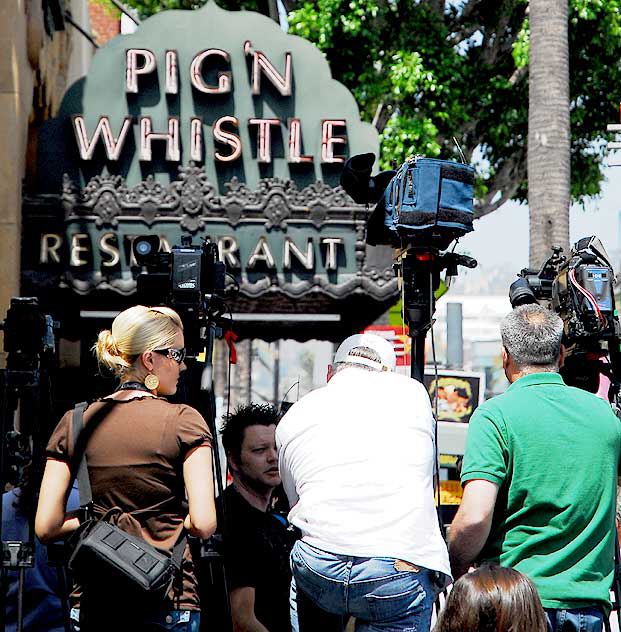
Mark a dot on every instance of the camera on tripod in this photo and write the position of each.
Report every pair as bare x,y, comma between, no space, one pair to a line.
189,278
28,333
188,275
425,203
419,209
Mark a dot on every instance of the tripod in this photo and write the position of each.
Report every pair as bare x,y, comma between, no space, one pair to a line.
421,271
422,267
200,394
26,396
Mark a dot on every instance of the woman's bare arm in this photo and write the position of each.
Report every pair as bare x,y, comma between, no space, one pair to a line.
198,478
52,521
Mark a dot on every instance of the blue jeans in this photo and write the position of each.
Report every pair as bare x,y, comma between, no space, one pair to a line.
175,620
575,620
383,598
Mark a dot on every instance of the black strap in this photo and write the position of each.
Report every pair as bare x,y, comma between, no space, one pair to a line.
134,386
178,549
84,484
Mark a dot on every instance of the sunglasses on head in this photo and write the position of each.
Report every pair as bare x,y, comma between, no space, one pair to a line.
178,355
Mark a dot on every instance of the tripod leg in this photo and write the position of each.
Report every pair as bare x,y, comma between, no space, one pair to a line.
64,597
20,599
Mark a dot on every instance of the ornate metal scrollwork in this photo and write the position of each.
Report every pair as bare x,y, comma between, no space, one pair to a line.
194,201
193,198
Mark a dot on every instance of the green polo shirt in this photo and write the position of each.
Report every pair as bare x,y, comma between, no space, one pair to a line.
553,450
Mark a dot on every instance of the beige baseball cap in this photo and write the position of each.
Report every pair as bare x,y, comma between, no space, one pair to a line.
377,343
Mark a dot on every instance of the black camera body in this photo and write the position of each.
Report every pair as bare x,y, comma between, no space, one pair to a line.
186,275
581,291
189,278
28,333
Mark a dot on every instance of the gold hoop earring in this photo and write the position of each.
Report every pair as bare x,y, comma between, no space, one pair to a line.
151,381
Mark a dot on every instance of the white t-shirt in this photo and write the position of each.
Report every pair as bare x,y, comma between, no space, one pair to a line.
356,460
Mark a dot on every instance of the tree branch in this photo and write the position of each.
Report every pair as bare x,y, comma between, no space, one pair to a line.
437,6
382,115
464,33
487,208
490,52
506,182
518,75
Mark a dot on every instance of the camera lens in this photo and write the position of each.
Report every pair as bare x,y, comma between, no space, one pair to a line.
520,293
143,247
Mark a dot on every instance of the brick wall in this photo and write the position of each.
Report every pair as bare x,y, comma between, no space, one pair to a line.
105,21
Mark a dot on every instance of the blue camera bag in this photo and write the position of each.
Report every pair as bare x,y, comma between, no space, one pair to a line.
429,198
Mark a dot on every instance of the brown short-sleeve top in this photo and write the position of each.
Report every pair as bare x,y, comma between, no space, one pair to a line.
135,460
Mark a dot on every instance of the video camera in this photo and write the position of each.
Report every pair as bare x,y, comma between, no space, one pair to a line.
425,203
189,278
28,334
581,290
29,342
420,209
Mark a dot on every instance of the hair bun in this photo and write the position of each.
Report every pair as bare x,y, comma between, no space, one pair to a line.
109,342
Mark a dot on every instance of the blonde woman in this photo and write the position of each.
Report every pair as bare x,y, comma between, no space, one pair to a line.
145,456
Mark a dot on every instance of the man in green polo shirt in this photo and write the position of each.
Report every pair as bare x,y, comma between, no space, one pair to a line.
539,475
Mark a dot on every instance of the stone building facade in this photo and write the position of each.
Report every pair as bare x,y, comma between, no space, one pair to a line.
41,55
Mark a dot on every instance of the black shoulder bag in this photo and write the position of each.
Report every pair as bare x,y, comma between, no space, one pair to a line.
105,555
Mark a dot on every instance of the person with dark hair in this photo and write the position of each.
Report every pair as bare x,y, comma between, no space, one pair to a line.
492,599
45,605
357,459
539,476
149,460
257,541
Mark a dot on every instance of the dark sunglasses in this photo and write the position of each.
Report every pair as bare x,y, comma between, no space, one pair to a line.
178,355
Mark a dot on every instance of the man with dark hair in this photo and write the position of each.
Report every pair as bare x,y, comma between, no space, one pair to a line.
357,459
539,479
257,542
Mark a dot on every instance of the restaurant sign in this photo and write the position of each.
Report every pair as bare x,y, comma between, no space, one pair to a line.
219,125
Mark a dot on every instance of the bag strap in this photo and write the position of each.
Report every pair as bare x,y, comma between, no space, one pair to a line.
178,549
84,484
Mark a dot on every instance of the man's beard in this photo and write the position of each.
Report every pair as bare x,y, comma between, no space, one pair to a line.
256,485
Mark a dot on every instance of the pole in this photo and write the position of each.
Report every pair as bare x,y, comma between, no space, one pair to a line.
249,374
417,360
454,336
276,396
419,305
129,14
272,8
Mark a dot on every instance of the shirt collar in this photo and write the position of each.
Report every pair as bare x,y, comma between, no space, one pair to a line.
537,378
352,373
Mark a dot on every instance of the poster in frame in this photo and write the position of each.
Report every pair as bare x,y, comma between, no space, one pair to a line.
458,393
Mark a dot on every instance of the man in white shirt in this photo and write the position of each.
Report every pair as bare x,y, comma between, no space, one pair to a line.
356,459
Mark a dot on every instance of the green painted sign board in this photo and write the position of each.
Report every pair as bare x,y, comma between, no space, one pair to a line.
219,125
257,51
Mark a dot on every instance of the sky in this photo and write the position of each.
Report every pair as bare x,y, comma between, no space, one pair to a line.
500,239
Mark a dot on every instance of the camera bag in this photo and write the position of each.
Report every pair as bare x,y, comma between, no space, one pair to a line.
429,200
105,555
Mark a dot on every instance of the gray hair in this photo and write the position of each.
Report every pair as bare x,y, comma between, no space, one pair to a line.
360,352
532,336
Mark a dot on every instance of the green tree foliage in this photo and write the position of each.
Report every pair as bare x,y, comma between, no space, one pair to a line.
425,71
